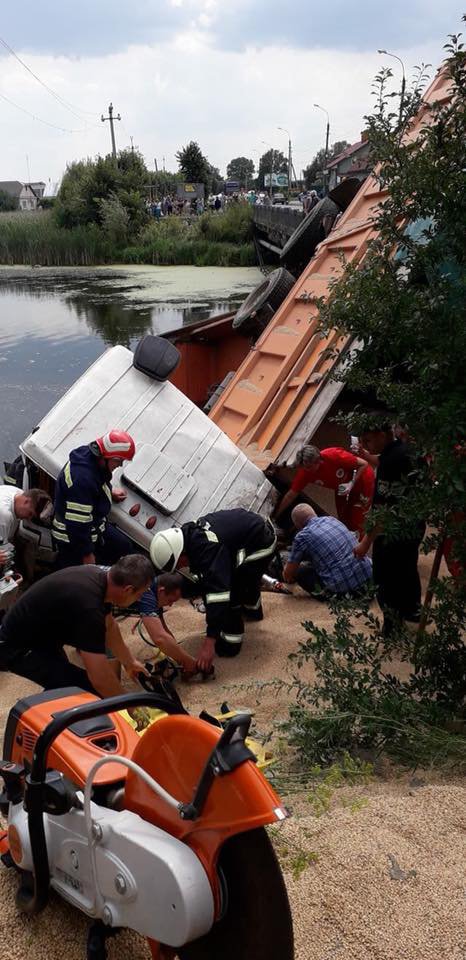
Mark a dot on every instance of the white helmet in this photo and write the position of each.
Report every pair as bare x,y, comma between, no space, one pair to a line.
166,549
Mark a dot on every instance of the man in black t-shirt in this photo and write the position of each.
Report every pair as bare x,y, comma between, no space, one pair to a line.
394,560
73,607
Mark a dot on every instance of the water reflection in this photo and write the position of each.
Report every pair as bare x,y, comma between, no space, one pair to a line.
54,324
113,323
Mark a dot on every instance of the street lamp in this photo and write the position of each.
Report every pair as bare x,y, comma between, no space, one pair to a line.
327,135
284,130
271,166
403,80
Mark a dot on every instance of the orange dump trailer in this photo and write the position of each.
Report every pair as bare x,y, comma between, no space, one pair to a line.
275,393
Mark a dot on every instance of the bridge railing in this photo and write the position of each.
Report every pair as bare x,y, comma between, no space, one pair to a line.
278,218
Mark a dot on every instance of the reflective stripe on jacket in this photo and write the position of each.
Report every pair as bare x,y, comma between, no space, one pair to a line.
217,546
83,498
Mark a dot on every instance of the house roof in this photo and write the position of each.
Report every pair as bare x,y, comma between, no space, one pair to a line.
12,187
354,148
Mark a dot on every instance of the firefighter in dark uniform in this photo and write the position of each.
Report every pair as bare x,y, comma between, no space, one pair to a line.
228,551
83,499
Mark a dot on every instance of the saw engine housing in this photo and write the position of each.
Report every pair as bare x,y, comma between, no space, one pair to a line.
127,829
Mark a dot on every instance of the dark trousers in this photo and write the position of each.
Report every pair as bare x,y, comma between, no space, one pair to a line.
245,598
395,573
109,548
309,581
50,670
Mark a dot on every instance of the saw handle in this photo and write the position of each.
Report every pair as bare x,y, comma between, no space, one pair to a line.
158,700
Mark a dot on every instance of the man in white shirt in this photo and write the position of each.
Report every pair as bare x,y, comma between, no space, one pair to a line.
16,505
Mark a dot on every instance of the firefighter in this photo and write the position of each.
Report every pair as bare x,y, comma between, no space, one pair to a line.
83,499
228,551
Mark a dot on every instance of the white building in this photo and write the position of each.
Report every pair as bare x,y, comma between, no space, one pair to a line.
23,193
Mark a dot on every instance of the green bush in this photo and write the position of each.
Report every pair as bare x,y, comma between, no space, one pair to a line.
357,701
37,238
407,314
234,225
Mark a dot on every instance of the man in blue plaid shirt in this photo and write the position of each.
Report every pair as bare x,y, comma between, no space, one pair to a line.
322,560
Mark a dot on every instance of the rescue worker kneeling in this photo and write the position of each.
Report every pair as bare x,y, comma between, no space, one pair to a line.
228,551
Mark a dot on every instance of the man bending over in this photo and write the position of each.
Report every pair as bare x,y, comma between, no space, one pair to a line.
73,607
322,557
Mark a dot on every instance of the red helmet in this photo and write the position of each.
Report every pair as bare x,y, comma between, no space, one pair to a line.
116,444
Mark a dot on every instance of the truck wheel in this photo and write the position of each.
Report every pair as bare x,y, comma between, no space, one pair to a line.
259,307
302,243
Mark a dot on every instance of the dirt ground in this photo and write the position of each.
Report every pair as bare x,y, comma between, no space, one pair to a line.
378,875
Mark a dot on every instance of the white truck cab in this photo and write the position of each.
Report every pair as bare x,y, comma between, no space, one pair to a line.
184,466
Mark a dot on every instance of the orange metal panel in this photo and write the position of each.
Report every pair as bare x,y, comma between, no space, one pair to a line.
283,373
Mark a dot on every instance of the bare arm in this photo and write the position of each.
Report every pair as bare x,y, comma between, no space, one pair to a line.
101,674
164,639
286,501
362,465
114,641
365,544
371,458
290,572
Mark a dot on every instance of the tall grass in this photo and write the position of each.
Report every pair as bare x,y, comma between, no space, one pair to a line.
35,238
210,240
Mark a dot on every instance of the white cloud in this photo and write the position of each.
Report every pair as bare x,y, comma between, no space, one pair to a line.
169,93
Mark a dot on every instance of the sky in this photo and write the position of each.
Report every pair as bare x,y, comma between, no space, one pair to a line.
227,73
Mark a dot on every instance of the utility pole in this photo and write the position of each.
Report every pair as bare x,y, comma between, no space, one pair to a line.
327,137
111,118
290,158
132,145
271,173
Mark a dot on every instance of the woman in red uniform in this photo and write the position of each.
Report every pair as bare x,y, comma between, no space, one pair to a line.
348,475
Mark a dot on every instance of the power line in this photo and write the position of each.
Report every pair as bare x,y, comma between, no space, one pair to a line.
46,122
64,103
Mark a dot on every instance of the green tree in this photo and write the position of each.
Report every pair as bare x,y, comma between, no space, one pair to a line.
405,307
280,165
242,170
7,202
165,183
215,181
313,173
193,164
115,219
87,182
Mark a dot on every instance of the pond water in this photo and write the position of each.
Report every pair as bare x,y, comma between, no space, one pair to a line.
55,322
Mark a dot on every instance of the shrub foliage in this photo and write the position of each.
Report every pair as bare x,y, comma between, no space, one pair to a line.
405,306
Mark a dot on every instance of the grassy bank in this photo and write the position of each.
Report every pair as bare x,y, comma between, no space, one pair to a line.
223,240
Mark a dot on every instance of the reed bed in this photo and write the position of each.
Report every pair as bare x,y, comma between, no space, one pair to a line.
210,240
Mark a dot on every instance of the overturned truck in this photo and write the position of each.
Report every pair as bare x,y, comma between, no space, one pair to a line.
184,465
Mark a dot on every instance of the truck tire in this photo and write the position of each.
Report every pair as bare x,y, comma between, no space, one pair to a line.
259,307
302,243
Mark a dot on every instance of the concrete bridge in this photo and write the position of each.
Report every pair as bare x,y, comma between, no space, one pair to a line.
272,227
